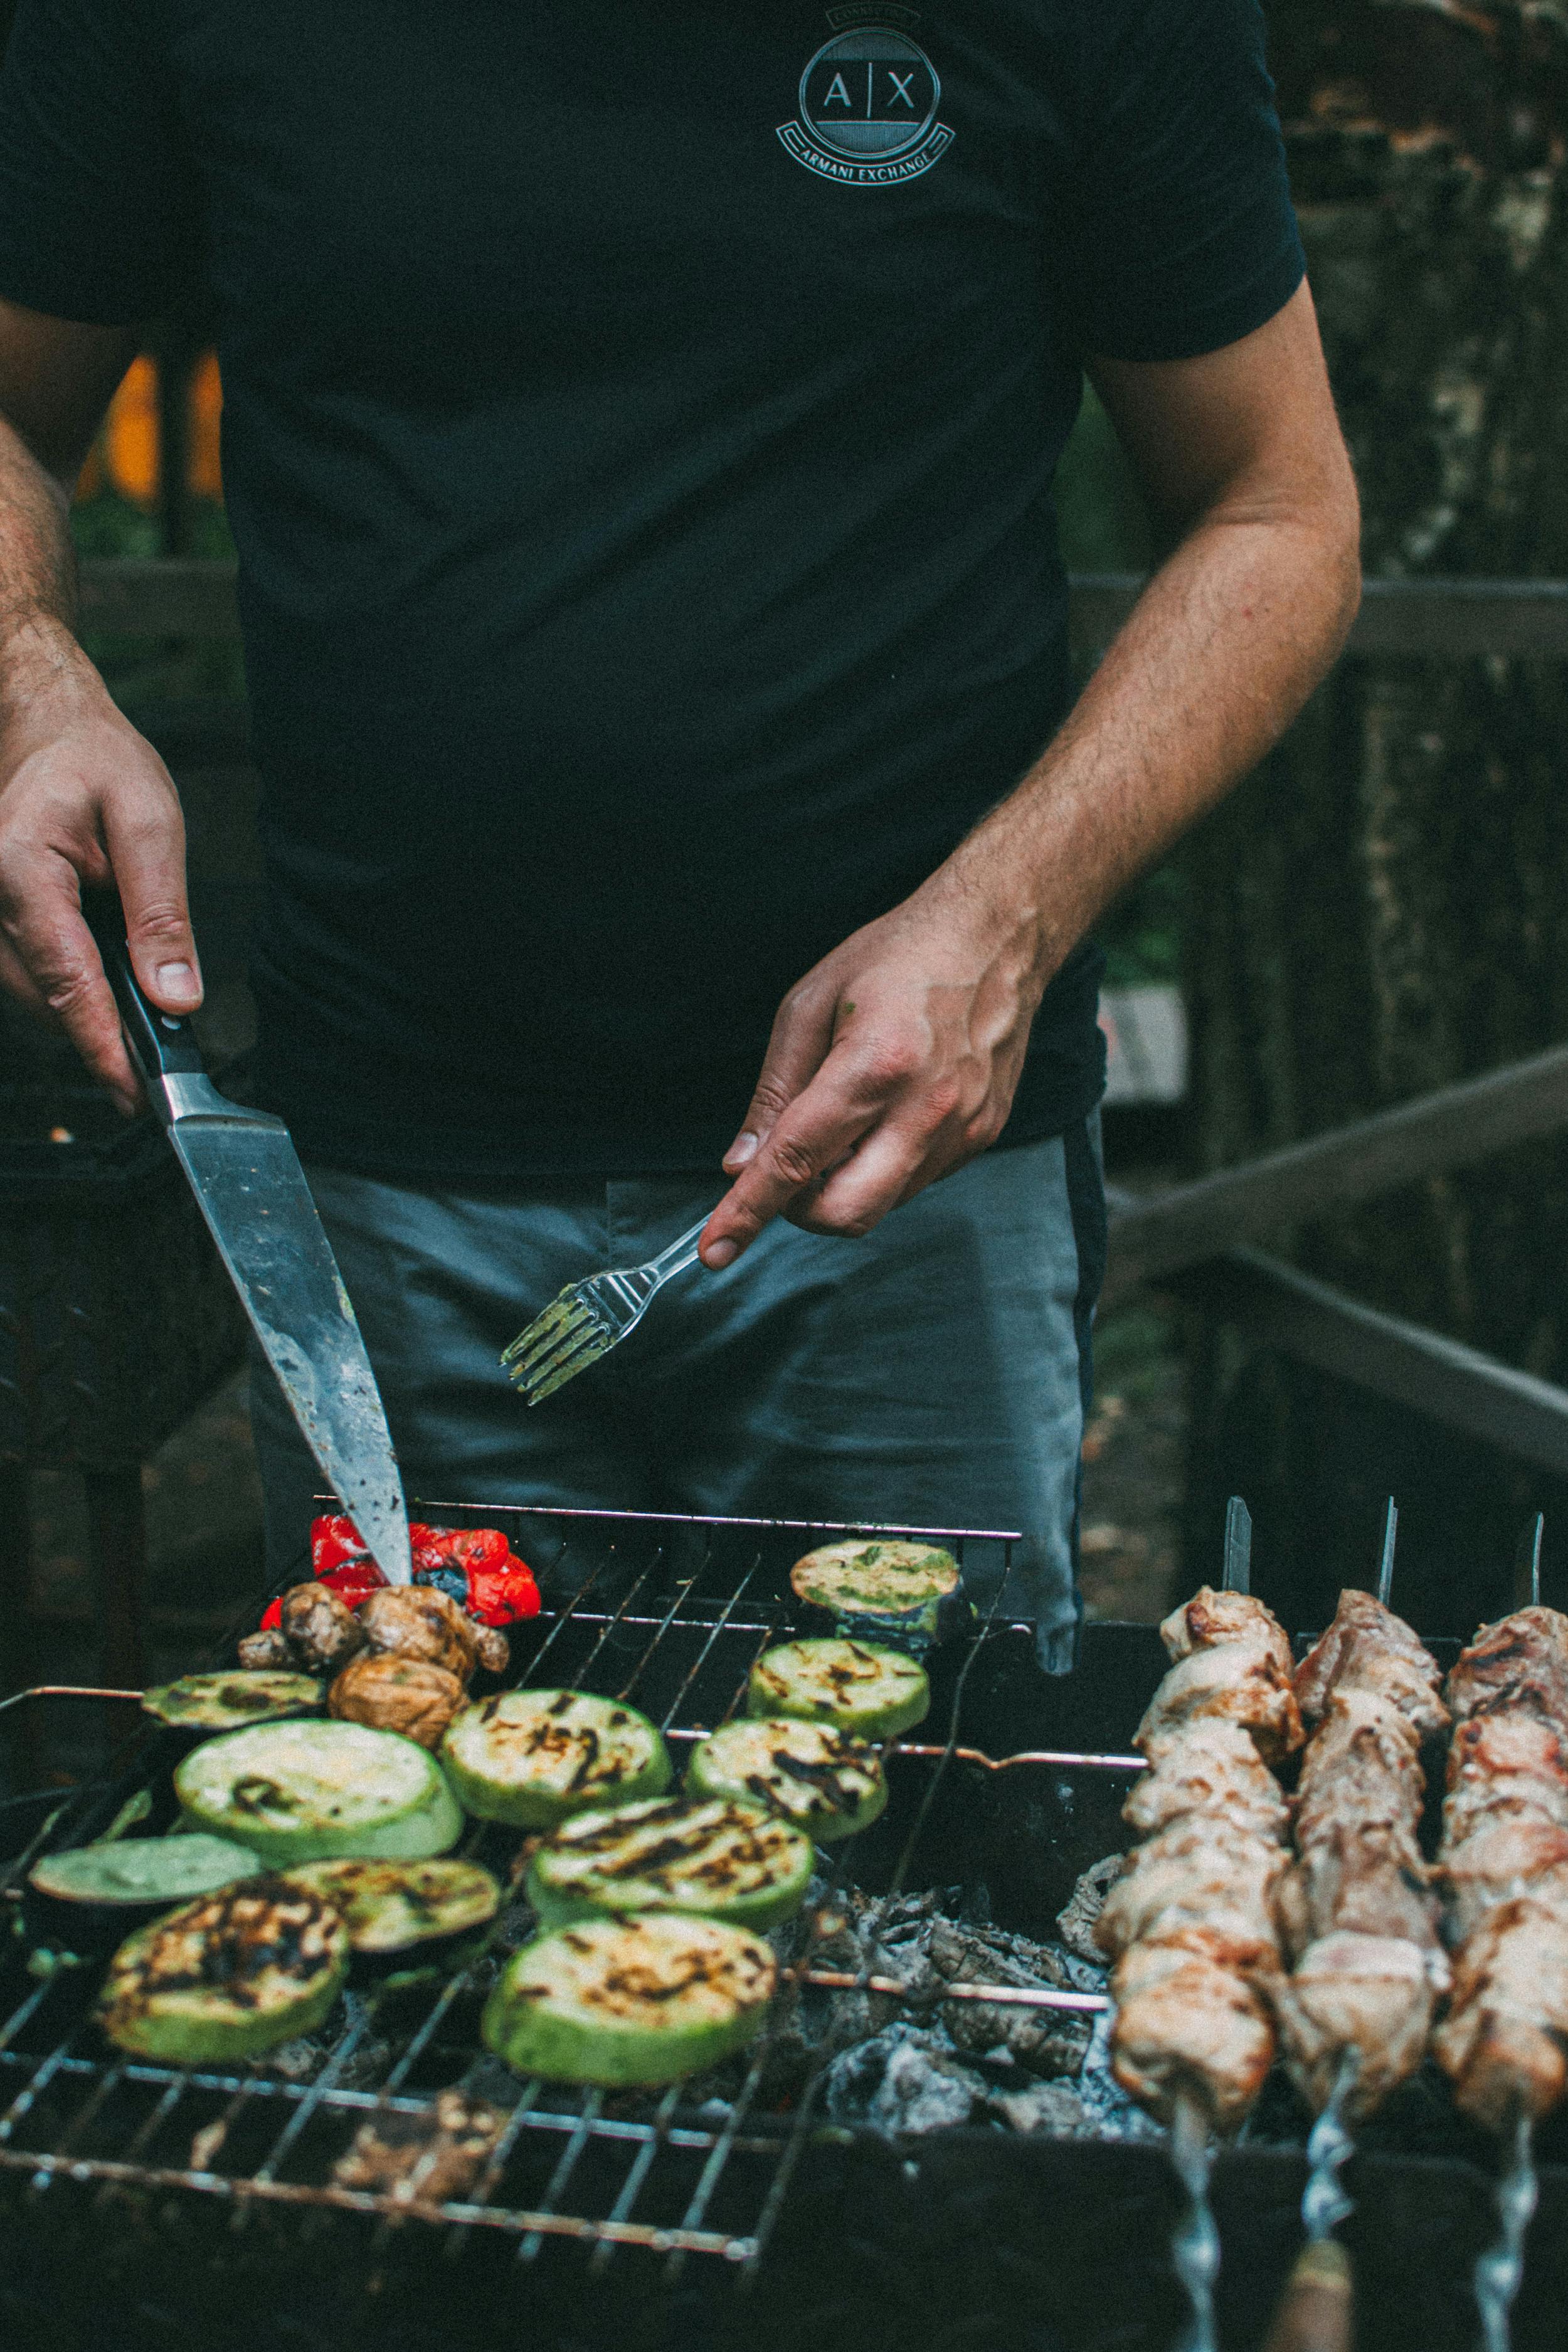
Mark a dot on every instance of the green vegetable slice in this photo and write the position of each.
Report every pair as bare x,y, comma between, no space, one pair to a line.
227,1977
533,1757
229,1702
310,1791
858,1686
634,2000
889,1590
725,1860
829,1784
389,1905
146,1871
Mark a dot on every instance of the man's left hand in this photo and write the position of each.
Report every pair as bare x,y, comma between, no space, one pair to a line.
890,1063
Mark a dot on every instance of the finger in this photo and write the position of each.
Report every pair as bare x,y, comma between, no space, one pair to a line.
145,836
798,1045
43,924
819,1128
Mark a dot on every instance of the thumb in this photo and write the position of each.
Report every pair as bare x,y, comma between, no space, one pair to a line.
797,1047
146,845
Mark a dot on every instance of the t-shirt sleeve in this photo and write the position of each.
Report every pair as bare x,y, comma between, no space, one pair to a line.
1179,232
100,211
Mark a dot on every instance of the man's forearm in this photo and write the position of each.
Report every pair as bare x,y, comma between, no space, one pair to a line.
1226,642
38,586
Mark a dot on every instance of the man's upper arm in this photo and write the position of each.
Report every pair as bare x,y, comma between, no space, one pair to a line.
1250,427
57,378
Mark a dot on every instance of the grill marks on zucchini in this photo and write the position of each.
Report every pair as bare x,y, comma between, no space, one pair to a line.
723,1860
227,1977
886,1589
388,1907
229,1702
535,1756
307,1792
858,1686
827,1783
622,2001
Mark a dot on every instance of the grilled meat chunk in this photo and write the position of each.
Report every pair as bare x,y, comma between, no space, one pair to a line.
1505,1764
1366,1878
1211,1620
1368,1648
420,1621
1349,1990
1504,2043
1363,1764
1200,1882
321,1635
392,1694
1233,1684
1506,1855
1213,1769
1520,1664
1182,2018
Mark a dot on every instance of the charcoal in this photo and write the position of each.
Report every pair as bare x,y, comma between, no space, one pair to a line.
1047,2042
1085,1904
908,2078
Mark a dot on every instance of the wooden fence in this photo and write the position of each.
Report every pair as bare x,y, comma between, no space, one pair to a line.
1195,1240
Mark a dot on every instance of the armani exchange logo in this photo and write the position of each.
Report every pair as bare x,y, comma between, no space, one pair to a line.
867,102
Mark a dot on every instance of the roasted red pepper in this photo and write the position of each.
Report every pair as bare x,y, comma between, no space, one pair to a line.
475,1565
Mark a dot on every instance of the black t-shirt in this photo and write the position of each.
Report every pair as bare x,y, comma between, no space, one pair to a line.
638,438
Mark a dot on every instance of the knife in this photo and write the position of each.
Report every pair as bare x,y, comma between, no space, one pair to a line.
249,1186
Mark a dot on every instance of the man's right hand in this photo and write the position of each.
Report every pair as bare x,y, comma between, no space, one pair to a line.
86,802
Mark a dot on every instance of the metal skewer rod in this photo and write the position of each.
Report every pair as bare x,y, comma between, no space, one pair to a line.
1500,2271
1237,1576
1385,1567
1195,2247
1527,1563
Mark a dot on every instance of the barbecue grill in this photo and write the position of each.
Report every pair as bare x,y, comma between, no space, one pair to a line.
216,2208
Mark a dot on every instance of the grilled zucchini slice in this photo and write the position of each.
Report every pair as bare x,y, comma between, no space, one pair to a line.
533,1757
311,1791
229,1702
389,1907
880,1590
227,1977
857,1685
827,1783
92,1892
645,1999
725,1860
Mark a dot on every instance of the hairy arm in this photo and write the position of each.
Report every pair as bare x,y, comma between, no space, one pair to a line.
896,1059
83,798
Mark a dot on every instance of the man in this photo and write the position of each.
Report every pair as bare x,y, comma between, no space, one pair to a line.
638,439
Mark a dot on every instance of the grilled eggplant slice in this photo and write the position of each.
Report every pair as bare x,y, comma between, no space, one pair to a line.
883,1590
310,1791
91,1893
390,1906
227,1977
827,1783
857,1685
533,1757
230,1702
724,1860
635,2000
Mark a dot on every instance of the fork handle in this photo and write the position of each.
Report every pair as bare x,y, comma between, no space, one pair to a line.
679,1255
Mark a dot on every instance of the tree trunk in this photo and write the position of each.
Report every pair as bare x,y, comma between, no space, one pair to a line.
1383,908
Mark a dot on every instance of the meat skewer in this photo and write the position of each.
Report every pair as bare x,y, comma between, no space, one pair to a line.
1504,1863
1190,1923
1357,1913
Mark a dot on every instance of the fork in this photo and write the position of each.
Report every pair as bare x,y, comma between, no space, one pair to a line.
588,1318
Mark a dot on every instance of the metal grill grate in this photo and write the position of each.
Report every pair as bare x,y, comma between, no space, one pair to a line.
668,1615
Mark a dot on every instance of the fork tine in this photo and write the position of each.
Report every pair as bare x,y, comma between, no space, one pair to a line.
546,1332
566,1368
543,1368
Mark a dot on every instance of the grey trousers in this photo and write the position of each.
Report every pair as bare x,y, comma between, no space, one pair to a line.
933,1374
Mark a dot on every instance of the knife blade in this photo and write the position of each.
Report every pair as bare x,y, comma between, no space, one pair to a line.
250,1188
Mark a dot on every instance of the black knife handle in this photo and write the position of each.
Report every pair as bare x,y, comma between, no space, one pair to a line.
163,1044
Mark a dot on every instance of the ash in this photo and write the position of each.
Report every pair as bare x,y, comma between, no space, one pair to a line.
925,2062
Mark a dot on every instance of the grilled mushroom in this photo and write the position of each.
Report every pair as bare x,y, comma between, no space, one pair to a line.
419,1620
321,1634
268,1652
392,1694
